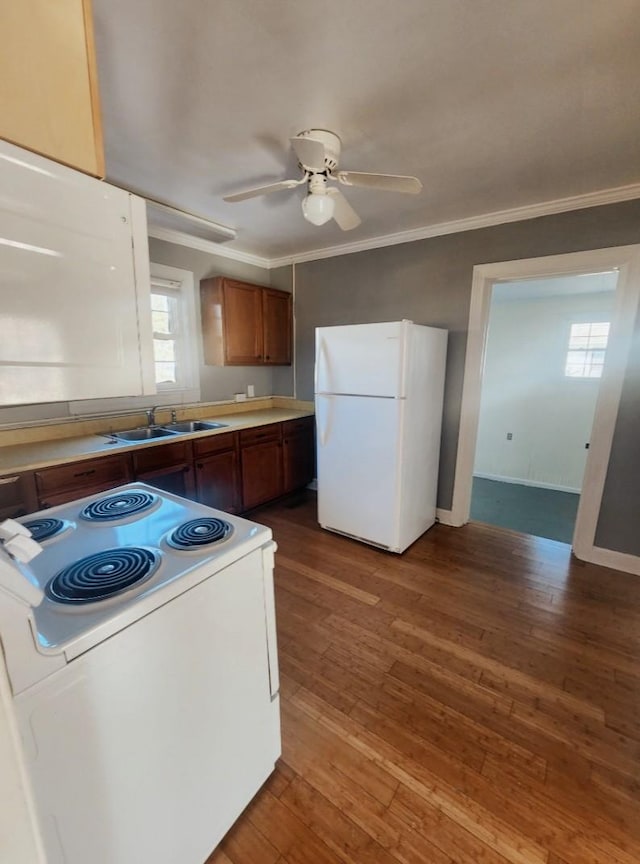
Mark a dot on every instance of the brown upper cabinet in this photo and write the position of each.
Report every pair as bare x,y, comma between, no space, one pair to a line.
49,98
244,324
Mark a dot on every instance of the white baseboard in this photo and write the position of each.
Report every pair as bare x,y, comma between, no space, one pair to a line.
610,558
445,517
521,482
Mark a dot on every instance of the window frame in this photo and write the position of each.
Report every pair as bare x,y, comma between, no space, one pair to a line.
180,284
585,351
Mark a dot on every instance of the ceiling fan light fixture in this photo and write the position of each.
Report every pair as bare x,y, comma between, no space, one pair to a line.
318,207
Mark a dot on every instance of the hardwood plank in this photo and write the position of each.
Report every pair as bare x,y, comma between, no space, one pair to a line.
475,700
331,582
244,842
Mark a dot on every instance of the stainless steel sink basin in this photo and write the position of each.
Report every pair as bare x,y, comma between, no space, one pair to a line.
146,434
193,426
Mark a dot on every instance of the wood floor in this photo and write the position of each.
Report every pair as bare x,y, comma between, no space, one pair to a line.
475,700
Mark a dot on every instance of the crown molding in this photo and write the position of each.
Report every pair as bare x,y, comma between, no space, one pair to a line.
471,223
455,226
182,239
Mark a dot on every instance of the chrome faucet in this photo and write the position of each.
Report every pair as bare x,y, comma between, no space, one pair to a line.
174,416
151,415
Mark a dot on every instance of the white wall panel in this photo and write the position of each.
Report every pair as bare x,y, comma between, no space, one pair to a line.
525,391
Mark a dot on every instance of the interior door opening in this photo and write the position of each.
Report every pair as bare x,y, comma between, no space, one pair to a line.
544,356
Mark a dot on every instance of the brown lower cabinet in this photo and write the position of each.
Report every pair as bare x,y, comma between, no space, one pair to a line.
261,458
218,472
298,454
169,467
231,471
17,495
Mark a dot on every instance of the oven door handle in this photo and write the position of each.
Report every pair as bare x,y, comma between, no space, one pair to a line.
268,561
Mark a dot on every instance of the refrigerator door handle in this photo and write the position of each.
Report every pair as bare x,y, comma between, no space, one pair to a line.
270,618
323,418
321,361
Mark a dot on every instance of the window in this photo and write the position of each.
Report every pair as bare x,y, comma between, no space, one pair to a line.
166,332
173,323
587,347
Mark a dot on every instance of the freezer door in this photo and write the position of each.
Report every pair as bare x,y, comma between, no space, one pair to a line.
358,460
362,359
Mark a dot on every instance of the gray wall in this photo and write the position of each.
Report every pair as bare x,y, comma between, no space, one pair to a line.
619,523
216,382
429,282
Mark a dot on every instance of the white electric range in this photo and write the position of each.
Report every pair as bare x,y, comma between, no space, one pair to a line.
140,655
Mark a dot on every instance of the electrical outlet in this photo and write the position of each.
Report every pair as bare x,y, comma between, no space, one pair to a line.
509,436
251,391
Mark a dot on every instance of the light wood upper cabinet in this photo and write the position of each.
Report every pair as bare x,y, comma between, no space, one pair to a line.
49,100
244,324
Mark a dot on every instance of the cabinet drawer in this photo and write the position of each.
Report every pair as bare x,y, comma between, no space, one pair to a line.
261,434
303,425
91,473
17,496
162,456
215,443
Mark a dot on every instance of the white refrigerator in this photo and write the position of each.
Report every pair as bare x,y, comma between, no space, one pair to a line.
379,391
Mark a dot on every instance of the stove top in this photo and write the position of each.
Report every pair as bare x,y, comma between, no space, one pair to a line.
197,533
45,529
118,506
102,575
112,557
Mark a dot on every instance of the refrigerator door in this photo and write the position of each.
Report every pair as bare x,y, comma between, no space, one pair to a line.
362,359
358,461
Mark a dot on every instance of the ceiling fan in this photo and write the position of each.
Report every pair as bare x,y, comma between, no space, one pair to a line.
318,152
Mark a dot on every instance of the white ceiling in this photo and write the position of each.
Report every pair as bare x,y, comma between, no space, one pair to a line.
493,104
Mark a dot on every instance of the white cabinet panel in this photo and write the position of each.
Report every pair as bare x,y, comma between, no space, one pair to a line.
73,293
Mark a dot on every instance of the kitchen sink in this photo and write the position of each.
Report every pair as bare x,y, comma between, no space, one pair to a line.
146,434
193,426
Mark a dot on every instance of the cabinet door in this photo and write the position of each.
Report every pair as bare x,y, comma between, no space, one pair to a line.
17,496
242,305
218,481
76,319
49,99
177,480
276,315
261,473
297,454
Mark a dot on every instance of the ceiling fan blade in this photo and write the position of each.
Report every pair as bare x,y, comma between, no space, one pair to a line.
310,153
343,212
386,182
262,190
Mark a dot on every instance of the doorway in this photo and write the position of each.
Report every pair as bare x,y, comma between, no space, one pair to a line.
544,356
625,260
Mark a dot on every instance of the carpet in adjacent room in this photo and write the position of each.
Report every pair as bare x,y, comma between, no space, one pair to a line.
528,509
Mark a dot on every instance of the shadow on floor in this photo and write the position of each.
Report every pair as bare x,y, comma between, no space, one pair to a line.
528,509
